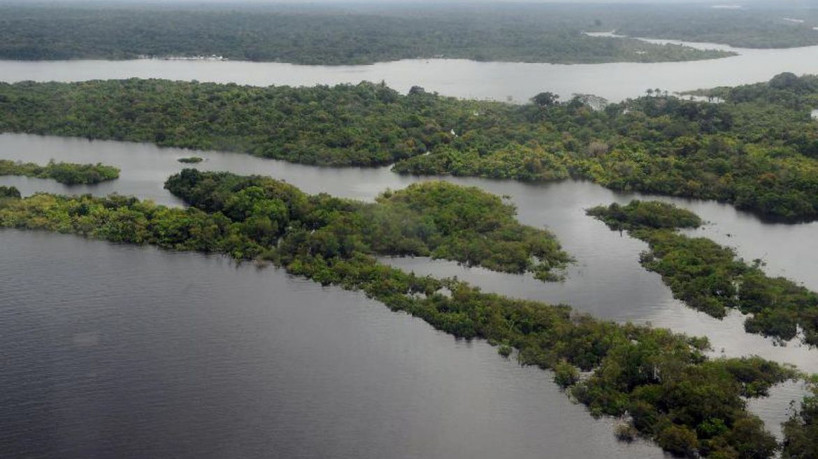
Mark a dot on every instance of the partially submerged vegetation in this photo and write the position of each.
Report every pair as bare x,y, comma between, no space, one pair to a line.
67,173
801,429
758,150
190,159
662,383
709,277
434,219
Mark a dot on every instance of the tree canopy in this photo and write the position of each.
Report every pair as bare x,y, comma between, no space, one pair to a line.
758,150
670,391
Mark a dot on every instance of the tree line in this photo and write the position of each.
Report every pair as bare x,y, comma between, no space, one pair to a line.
709,277
319,37
67,173
758,150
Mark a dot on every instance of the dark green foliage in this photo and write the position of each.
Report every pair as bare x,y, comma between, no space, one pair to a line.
190,160
365,124
67,173
434,219
565,374
709,277
675,394
801,429
650,214
758,150
362,35
753,26
680,441
504,350
9,192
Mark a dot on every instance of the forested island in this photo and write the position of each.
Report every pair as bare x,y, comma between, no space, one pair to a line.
343,35
66,173
757,150
663,384
709,277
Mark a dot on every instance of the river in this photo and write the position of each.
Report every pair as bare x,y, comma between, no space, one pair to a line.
123,351
120,351
453,77
606,281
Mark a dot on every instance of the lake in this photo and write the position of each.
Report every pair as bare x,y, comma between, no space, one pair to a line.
453,77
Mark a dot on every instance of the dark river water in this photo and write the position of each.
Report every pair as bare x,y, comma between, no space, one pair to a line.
123,351
120,351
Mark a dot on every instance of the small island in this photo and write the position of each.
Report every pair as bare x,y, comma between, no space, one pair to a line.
191,160
65,173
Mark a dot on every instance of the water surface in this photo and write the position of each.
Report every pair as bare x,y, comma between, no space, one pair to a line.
606,281
122,351
453,77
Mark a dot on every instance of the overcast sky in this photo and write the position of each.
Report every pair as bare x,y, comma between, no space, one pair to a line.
782,2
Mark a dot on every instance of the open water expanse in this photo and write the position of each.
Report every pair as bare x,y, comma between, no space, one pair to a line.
121,351
453,77
86,308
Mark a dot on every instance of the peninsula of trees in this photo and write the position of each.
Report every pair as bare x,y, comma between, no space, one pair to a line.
709,277
662,382
67,173
758,150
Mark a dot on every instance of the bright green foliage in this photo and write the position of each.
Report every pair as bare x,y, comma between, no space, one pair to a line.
67,173
758,150
326,36
675,395
434,219
709,277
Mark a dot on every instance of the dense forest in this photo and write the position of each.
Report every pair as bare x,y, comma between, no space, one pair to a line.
434,219
770,26
758,150
324,36
662,384
67,173
709,277
9,192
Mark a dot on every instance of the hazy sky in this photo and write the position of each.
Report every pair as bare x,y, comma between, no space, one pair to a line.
781,2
